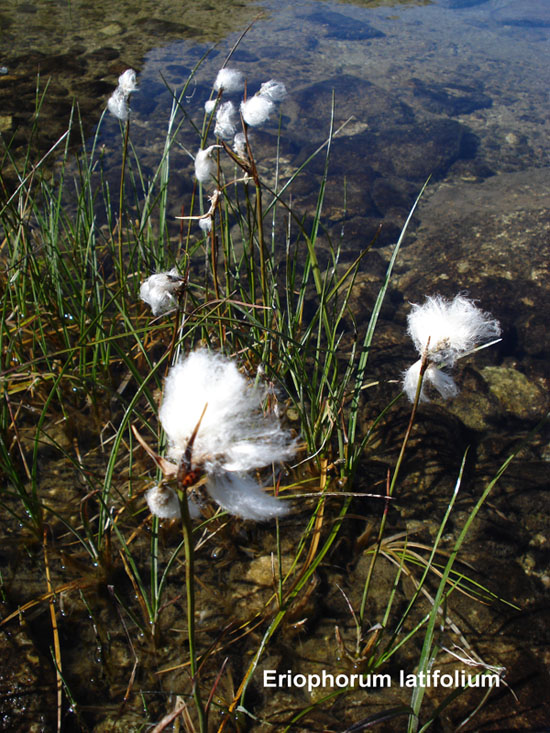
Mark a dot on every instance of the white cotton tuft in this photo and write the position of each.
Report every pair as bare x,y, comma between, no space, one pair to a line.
452,327
118,102
230,80
118,105
163,502
273,90
210,105
242,496
234,437
234,433
127,82
256,110
239,144
205,167
206,224
161,291
226,121
441,381
434,377
410,382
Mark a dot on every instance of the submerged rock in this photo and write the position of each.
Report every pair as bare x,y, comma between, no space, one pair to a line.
515,393
527,13
489,239
342,27
450,99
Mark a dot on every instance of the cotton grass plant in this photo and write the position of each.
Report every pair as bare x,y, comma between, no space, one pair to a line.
186,347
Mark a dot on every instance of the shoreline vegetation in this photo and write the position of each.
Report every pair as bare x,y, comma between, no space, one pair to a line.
130,520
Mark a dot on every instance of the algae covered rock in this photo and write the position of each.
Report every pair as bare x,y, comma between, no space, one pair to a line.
516,394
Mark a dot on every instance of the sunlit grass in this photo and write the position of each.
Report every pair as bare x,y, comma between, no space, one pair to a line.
83,363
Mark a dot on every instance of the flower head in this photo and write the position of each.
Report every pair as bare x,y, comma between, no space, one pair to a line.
234,437
226,121
436,378
273,90
118,103
205,167
240,494
256,110
229,80
206,224
449,328
161,291
163,502
443,331
127,82
239,144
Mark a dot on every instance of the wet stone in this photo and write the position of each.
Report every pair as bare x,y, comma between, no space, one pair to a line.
450,99
516,394
462,3
65,63
264,570
94,88
369,104
393,144
5,123
246,56
113,29
475,406
159,27
390,193
102,55
342,27
528,13
8,80
25,680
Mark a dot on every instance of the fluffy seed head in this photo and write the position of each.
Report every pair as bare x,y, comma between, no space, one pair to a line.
205,167
234,434
450,328
256,110
163,502
434,377
241,495
161,291
239,144
118,105
273,90
127,82
230,80
226,121
209,105
234,437
206,224
118,101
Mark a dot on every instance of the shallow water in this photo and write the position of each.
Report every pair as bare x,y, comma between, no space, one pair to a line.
457,90
453,90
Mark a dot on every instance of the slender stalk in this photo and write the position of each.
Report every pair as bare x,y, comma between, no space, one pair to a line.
391,487
55,633
190,592
261,243
121,202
